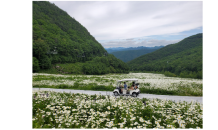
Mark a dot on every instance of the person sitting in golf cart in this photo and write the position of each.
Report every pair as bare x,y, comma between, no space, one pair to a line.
131,88
136,86
125,86
133,84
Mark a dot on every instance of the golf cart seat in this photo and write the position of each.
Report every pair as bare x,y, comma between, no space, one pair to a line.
120,89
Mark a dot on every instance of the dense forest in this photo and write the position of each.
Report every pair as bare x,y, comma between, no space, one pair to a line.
60,39
183,59
133,53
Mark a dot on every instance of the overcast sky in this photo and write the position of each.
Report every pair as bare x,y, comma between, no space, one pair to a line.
141,23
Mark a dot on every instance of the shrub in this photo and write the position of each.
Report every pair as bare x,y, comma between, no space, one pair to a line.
169,74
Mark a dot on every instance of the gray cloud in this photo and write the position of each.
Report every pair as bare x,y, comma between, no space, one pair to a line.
130,39
107,20
155,42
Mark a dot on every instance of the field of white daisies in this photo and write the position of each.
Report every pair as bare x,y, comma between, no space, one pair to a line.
149,83
67,110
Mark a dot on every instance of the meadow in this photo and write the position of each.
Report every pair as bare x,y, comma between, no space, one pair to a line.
149,83
67,110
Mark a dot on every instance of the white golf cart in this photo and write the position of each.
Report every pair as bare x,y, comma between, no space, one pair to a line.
121,91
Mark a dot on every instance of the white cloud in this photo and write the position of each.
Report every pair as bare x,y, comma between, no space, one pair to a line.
133,43
125,20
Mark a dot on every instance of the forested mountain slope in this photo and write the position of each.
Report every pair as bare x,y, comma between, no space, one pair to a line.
54,29
129,55
184,58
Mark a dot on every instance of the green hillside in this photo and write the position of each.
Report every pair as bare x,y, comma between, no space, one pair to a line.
183,59
54,31
129,55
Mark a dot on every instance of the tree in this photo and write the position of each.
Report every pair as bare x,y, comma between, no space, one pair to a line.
45,62
40,48
35,65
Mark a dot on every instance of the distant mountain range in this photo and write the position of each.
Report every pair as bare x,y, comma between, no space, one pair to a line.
128,54
115,49
183,59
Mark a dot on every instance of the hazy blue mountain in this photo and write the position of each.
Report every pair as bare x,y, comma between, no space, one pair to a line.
129,54
115,49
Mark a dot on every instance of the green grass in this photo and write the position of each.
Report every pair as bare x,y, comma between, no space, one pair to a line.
152,90
79,86
182,90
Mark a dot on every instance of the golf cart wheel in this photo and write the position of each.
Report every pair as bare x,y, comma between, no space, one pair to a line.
134,94
116,94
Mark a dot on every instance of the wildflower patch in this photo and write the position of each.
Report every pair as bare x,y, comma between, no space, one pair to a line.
66,110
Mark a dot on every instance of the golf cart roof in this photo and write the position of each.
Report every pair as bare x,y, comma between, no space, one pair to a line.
127,80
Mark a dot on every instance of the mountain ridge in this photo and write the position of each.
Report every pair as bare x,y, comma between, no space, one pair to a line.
183,59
